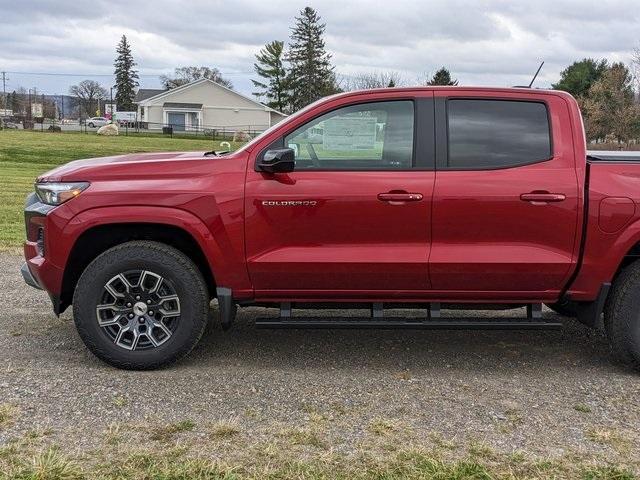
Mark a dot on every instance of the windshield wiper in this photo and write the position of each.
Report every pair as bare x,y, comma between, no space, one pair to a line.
216,154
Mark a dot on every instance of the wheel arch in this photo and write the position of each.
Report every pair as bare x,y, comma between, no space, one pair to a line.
628,249
629,257
606,255
97,239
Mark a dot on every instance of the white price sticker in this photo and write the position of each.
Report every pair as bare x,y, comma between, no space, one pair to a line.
349,133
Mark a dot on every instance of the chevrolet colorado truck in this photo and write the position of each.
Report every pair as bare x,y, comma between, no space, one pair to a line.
423,198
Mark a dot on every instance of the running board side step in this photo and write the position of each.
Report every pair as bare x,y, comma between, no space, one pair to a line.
433,321
443,323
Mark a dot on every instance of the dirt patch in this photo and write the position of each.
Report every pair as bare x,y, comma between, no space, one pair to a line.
546,395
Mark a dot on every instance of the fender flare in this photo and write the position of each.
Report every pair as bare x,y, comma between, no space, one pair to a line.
604,254
628,237
190,223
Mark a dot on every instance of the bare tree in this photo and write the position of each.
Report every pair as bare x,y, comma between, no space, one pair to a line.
89,93
369,80
184,75
610,109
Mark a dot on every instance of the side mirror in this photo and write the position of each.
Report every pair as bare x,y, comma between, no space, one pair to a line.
282,160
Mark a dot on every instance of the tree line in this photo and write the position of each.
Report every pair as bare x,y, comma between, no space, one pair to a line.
89,95
607,98
19,101
292,75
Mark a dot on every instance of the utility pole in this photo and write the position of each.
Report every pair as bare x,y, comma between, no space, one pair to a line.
4,90
28,124
35,98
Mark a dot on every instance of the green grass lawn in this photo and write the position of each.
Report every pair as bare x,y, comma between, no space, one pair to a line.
25,155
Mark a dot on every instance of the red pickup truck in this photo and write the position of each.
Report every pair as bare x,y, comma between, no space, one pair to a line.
424,198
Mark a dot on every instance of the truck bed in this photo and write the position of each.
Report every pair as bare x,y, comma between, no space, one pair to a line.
612,156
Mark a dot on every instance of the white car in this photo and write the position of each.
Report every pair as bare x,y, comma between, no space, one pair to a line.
94,122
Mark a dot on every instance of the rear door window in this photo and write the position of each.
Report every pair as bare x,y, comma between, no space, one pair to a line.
496,133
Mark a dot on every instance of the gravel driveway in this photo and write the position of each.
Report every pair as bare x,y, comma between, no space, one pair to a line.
547,393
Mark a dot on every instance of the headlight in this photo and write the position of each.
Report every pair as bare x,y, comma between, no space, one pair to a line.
58,193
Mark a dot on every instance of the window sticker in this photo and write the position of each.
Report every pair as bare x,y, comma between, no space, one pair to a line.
349,133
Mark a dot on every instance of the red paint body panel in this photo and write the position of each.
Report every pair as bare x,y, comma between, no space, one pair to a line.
604,251
469,238
343,241
486,237
201,195
615,213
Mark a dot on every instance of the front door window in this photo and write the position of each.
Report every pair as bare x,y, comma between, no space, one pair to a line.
372,136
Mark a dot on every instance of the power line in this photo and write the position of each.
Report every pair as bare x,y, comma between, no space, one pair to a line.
146,75
56,74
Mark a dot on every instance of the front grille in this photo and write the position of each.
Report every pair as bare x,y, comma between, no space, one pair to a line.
40,242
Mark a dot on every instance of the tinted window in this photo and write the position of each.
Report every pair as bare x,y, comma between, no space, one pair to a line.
372,136
497,133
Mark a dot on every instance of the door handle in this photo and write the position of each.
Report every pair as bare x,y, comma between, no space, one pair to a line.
542,198
399,197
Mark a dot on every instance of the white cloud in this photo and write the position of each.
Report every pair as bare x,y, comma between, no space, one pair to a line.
498,42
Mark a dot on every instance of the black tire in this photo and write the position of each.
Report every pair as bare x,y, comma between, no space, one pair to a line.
622,316
166,262
91,125
566,308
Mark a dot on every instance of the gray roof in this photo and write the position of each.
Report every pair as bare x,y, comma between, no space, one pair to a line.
144,93
196,106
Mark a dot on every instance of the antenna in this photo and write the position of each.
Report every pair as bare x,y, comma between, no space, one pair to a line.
536,75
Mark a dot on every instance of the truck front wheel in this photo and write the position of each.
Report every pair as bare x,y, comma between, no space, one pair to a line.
622,316
141,305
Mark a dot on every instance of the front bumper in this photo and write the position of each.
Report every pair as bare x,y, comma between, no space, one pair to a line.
39,271
28,277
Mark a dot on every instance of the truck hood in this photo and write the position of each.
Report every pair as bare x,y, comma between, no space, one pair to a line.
135,165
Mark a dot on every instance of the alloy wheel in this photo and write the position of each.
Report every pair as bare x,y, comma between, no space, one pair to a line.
138,310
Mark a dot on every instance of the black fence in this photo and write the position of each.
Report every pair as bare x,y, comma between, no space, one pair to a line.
132,127
226,132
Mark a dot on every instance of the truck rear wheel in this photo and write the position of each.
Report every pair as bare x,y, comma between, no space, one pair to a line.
141,305
622,316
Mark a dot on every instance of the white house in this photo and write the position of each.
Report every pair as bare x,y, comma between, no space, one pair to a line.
203,104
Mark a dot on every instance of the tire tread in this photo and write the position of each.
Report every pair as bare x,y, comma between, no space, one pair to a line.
144,248
620,313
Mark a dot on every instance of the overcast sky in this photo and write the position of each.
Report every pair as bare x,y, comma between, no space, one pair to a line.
490,42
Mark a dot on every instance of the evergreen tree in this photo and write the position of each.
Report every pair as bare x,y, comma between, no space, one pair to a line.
578,77
442,77
14,104
269,65
126,76
311,75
